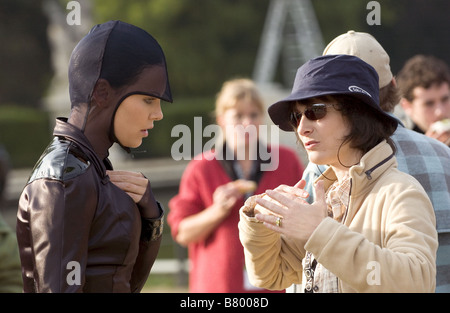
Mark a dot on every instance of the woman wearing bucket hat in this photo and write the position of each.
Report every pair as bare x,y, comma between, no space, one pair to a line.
371,227
82,227
205,213
425,158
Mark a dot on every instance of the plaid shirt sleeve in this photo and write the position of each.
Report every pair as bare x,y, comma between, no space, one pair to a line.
427,160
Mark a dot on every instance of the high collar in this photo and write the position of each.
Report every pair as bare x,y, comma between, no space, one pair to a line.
96,125
372,165
69,131
65,129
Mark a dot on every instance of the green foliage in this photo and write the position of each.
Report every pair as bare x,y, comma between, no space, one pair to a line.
205,42
408,27
25,54
25,133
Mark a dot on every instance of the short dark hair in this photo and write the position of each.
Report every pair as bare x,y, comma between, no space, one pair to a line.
367,127
389,97
422,71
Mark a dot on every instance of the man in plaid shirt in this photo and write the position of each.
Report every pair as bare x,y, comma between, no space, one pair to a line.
425,158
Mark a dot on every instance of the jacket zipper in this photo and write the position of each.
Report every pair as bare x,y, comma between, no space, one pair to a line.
369,177
370,171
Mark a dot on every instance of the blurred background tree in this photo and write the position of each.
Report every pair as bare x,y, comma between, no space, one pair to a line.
408,27
25,69
205,41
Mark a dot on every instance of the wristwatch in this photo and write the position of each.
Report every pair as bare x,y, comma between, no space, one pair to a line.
152,228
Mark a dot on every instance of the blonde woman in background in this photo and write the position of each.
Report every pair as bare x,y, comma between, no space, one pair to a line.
205,213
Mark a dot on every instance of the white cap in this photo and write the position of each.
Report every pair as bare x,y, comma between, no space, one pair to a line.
365,47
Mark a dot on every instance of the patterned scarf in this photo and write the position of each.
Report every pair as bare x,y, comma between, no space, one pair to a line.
337,198
317,277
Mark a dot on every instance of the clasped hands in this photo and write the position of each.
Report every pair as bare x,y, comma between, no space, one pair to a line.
133,183
298,218
137,186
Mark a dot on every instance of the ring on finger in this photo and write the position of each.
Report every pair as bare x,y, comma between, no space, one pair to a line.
278,221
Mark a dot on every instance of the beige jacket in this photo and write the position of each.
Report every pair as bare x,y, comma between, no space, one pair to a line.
386,243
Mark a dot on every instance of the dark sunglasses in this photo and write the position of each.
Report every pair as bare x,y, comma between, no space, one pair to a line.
313,113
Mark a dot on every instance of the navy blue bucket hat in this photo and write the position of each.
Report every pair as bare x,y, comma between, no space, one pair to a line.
332,75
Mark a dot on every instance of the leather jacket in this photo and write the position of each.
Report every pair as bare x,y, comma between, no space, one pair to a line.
76,230
70,211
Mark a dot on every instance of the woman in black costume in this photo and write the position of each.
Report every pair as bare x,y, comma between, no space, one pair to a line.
81,226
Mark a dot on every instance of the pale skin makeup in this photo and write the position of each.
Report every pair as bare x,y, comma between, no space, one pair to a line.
322,140
199,226
134,117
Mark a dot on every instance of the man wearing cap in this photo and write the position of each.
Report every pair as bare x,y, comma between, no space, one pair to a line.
425,158
371,227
